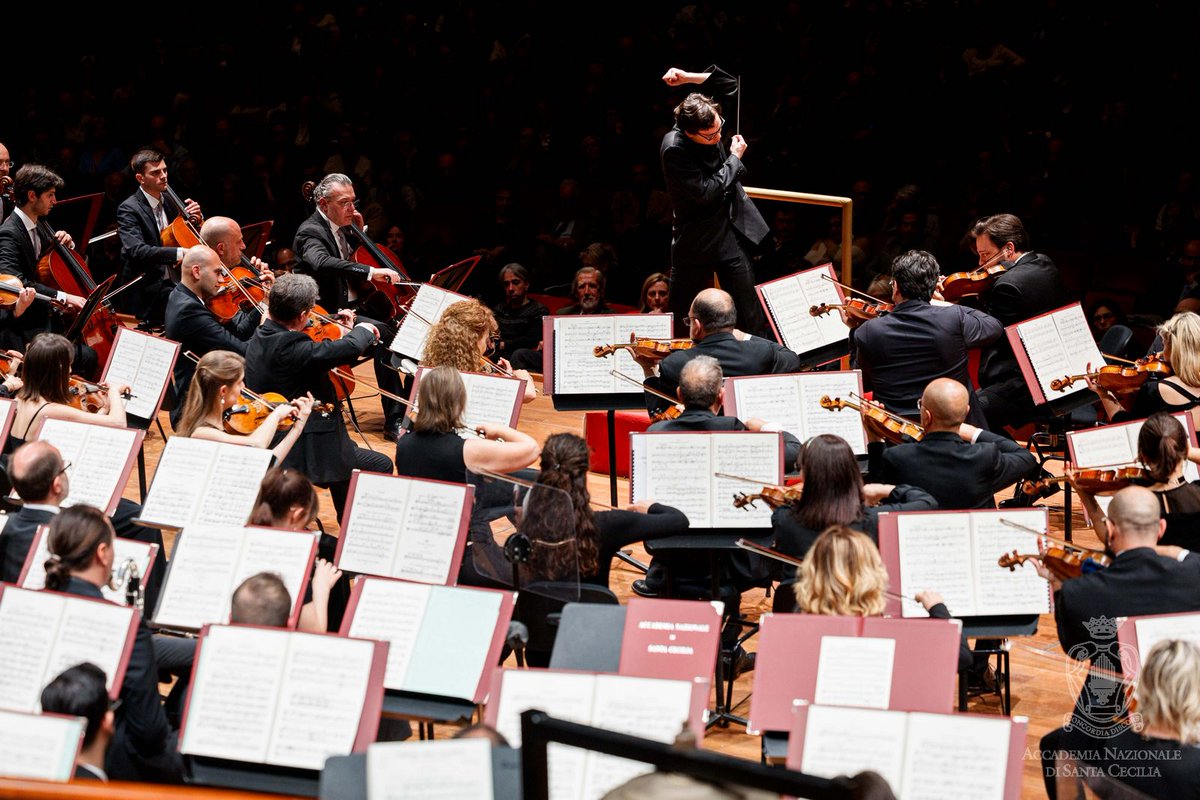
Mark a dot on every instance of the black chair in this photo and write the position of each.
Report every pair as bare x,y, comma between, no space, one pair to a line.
539,606
589,637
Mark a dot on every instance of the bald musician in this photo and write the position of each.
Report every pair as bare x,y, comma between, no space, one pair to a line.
961,465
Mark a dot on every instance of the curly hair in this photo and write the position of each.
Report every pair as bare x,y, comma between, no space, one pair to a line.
842,574
564,465
454,340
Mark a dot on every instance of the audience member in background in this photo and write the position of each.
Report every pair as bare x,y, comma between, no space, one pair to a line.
587,290
81,692
656,294
1102,315
519,317
285,261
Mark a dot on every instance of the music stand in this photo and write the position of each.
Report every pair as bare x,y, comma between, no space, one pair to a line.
89,307
345,777
256,237
454,276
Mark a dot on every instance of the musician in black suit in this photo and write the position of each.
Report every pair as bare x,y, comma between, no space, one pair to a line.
1139,581
961,465
325,244
712,321
197,329
715,223
141,219
281,358
144,745
901,352
22,245
1029,286
79,691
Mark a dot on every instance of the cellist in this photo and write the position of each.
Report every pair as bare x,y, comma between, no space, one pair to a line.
325,243
22,245
141,219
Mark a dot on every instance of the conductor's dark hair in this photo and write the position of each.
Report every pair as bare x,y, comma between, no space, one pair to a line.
1002,228
916,274
79,692
696,112
34,178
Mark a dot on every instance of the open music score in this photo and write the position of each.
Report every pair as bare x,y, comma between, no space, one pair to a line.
210,561
490,398
787,302
1138,635
571,367
794,403
427,308
101,459
919,754
40,746
647,707
956,553
145,363
1052,345
199,482
7,408
678,469
43,633
1117,445
422,623
407,528
285,698
871,662
444,768
33,574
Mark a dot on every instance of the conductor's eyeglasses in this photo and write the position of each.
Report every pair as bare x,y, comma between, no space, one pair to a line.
715,135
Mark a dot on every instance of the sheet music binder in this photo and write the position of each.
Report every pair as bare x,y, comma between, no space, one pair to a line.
7,409
474,378
789,645
1136,637
789,317
84,429
125,335
823,420
1068,399
345,777
655,325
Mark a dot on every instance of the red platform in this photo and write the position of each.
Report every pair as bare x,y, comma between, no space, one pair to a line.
595,430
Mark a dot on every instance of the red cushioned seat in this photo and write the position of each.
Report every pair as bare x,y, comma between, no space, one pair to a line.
595,429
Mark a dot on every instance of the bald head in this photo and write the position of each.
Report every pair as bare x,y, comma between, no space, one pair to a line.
36,472
5,160
945,402
200,271
224,236
1137,518
714,312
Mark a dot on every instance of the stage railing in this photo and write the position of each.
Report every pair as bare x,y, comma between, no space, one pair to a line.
844,203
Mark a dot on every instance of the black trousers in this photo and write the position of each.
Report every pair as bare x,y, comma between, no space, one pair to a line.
736,276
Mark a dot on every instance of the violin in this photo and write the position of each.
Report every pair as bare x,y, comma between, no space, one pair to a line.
644,346
1121,380
10,362
773,496
857,310
1092,481
323,327
957,285
1064,561
90,397
877,419
670,412
244,418
11,288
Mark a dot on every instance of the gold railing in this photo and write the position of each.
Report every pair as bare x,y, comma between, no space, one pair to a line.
95,790
844,203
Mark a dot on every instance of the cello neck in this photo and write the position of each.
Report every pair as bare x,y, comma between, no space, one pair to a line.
373,248
194,224
67,255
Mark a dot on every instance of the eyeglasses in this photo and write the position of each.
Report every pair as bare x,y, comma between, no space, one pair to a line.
712,137
66,466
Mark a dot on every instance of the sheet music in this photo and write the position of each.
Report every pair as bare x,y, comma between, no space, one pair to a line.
788,301
936,553
855,671
374,523
445,769
321,699
144,363
651,709
182,468
460,621
6,415
432,525
755,456
233,698
775,398
98,456
392,612
1058,345
997,589
28,628
577,370
1108,445
197,589
1152,630
490,398
233,483
200,481
817,420
644,326
123,550
90,630
670,468
563,695
42,748
847,741
948,756
288,554
428,307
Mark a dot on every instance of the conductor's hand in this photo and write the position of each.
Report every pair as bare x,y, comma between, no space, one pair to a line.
674,77
737,145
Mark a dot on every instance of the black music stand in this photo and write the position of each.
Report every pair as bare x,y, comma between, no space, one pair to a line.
89,307
207,771
345,777
999,628
452,278
426,709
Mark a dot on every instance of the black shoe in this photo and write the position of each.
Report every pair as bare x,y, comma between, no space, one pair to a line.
981,682
642,589
738,662
393,431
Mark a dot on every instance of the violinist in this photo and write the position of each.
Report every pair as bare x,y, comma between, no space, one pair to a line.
1139,581
190,322
834,494
712,325
464,334
22,246
141,219
1030,285
961,465
699,390
281,358
1178,392
901,353
325,244
216,390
